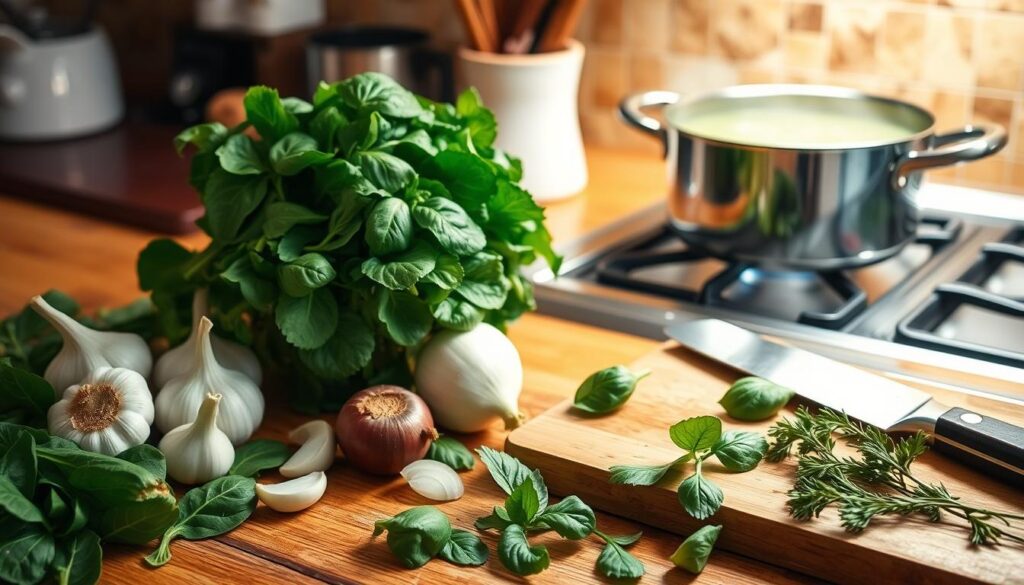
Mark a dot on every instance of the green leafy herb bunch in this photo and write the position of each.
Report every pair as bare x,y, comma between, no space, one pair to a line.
346,230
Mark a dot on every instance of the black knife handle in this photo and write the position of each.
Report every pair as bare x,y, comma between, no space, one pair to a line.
987,443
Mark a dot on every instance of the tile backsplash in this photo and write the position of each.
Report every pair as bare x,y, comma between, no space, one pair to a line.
961,59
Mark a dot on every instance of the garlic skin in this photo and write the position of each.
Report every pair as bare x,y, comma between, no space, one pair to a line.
197,452
110,411
434,480
181,360
295,494
241,408
316,452
85,350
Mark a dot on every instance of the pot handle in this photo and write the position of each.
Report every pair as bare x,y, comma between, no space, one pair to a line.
631,110
970,143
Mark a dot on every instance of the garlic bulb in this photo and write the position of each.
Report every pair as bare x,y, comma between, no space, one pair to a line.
85,349
110,411
241,408
316,452
434,480
181,360
295,494
198,451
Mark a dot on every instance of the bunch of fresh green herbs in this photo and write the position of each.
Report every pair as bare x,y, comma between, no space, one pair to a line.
877,481
352,228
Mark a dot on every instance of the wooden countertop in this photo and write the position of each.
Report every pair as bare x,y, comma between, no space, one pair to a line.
43,248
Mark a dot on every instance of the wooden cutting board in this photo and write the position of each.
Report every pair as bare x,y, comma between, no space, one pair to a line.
574,452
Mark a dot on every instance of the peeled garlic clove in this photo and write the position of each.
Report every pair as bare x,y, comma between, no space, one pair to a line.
110,411
198,451
295,494
316,452
181,360
434,480
85,350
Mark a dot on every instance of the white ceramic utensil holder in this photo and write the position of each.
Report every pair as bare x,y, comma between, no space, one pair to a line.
534,99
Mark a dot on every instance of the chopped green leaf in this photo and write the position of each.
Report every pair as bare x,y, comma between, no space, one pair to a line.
452,453
697,433
700,497
740,450
416,535
643,474
693,554
518,556
754,399
464,548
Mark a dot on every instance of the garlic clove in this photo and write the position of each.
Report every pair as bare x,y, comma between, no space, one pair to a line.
181,360
84,350
198,452
434,480
316,452
110,411
295,494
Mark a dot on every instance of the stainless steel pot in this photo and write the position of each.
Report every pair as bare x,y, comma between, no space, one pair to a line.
827,207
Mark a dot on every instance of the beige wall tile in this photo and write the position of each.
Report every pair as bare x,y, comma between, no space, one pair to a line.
950,110
805,50
604,21
646,71
947,58
745,29
603,126
805,16
1000,57
997,111
689,74
901,44
987,172
647,24
854,30
604,80
1015,182
1007,5
689,26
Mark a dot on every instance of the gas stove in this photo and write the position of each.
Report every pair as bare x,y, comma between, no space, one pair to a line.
948,308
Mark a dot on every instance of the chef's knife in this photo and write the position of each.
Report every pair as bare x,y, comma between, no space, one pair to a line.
990,444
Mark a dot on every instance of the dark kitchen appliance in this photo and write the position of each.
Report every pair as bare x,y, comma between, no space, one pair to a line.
949,307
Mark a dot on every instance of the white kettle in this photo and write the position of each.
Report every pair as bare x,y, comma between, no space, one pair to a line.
57,87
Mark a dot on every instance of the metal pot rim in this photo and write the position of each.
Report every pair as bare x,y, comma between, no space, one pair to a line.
793,89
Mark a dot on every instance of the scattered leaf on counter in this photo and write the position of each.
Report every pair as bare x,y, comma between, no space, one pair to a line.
607,389
259,455
452,453
693,554
754,399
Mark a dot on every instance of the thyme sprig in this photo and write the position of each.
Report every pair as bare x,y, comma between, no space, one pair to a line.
875,482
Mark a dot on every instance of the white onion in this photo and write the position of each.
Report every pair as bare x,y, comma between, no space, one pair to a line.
434,480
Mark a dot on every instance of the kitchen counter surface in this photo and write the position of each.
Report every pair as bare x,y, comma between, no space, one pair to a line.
43,248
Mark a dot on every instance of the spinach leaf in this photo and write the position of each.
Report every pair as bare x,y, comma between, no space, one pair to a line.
26,551
447,273
697,433
406,317
404,270
266,112
518,556
614,561
229,200
64,513
78,559
643,474
700,497
483,128
693,554
14,503
305,274
507,471
282,216
307,322
258,455
464,548
416,535
147,457
294,153
386,171
754,399
570,518
375,91
522,504
348,349
161,264
607,389
389,227
25,397
18,458
256,290
498,520
452,453
202,136
456,232
238,156
213,509
484,282
740,450
458,314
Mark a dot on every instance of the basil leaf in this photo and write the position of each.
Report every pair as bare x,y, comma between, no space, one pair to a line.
202,136
258,455
404,270
518,556
416,535
697,433
607,389
450,224
464,548
457,314
296,151
754,399
281,216
693,554
570,518
18,458
484,283
26,393
469,179
507,471
452,453
406,318
338,175
266,112
345,352
211,510
307,322
376,91
229,200
483,128
616,562
389,227
238,156
386,171
740,450
643,474
65,514
147,457
78,560
305,274
447,273
136,522
324,127
292,245
160,265
296,105
498,520
699,496
26,552
256,290
622,540
362,133
14,503
522,504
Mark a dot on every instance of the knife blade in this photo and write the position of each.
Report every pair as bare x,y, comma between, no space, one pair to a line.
995,446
